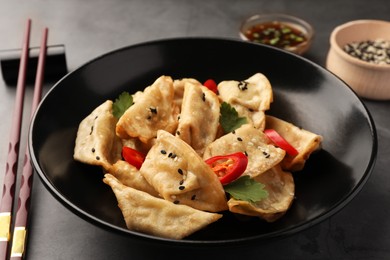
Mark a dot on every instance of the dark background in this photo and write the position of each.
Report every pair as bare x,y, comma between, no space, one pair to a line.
91,28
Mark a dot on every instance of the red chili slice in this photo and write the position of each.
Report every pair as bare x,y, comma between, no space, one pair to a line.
228,167
278,140
133,157
210,84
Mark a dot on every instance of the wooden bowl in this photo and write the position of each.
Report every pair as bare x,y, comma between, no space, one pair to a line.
367,79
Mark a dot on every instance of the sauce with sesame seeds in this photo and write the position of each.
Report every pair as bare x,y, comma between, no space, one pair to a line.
277,34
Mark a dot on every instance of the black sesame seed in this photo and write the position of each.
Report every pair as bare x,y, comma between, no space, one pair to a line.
91,130
153,110
178,132
193,197
182,187
176,202
173,156
239,139
242,85
180,171
163,152
97,158
93,150
170,155
181,182
246,154
203,97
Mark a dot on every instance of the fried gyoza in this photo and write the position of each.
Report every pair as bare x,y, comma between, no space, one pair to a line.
280,187
250,97
152,110
199,118
261,155
129,175
96,142
181,176
145,213
303,141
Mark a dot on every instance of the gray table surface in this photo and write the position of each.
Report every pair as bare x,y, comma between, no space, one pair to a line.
90,28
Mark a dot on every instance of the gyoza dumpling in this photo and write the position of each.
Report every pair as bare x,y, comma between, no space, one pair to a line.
180,175
130,176
303,141
199,117
254,93
262,156
280,187
153,109
147,214
96,141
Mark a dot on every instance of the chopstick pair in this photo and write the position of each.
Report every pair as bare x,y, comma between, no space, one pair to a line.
6,207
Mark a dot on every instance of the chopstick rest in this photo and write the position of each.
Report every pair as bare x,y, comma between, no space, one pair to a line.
56,66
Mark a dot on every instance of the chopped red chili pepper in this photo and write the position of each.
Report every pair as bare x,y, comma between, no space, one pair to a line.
133,157
210,84
278,140
228,167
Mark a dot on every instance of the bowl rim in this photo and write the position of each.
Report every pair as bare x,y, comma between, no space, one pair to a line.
338,49
309,29
198,243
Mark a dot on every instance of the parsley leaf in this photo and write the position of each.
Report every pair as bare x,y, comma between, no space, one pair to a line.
229,118
121,104
245,188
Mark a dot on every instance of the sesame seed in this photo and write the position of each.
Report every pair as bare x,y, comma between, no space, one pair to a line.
193,197
97,158
182,187
176,202
180,171
239,139
93,150
163,152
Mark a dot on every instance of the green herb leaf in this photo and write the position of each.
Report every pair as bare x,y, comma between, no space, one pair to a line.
245,188
229,118
121,104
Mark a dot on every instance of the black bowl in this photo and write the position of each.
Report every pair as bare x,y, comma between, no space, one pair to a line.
304,93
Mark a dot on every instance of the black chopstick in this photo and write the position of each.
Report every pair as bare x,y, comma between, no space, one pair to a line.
20,229
7,199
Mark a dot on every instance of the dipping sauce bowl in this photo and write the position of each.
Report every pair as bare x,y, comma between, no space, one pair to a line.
279,30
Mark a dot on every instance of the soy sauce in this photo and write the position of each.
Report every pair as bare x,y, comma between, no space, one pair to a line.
276,34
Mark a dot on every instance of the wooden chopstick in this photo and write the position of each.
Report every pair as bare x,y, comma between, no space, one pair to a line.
20,229
7,199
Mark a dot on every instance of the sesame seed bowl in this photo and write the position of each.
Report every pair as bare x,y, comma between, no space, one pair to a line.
360,55
302,90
